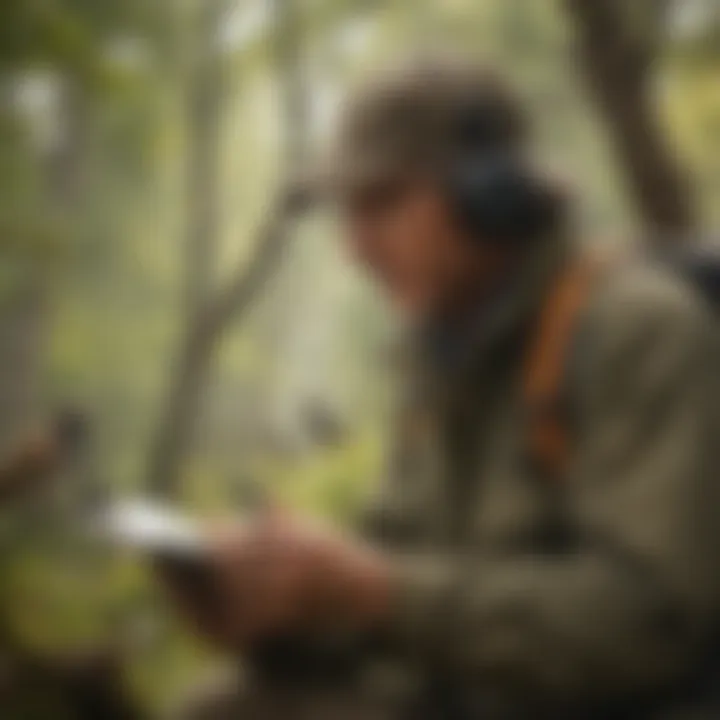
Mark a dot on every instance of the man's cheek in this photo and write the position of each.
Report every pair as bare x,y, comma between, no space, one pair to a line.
411,292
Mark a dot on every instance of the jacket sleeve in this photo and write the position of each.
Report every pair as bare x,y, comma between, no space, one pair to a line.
629,606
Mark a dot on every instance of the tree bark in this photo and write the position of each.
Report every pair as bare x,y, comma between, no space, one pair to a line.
616,64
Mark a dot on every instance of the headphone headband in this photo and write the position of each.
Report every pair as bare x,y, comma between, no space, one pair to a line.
496,195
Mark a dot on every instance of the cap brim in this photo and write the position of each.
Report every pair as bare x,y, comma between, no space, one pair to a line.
340,180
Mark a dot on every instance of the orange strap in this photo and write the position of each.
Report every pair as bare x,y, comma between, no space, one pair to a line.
548,431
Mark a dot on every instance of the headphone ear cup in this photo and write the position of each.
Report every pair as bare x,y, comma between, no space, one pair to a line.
496,199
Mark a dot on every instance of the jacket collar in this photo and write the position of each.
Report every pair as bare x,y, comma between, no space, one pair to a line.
458,349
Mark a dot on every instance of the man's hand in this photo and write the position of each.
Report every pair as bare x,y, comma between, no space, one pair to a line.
280,575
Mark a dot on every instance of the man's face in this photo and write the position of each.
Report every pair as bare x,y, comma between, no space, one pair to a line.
409,240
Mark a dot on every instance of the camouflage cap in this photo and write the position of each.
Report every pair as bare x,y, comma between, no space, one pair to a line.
412,118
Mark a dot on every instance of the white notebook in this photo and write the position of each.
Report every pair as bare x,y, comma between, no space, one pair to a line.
150,526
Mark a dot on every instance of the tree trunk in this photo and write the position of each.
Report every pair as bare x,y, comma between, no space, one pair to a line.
616,62
203,105
209,313
25,308
23,321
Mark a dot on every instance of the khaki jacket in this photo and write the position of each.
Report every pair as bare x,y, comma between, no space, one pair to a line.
536,595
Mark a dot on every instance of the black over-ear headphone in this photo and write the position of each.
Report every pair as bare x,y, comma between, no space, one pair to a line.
493,192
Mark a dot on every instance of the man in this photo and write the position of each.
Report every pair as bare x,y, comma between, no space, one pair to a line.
497,586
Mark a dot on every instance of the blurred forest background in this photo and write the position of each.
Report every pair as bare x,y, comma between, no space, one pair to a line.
215,347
